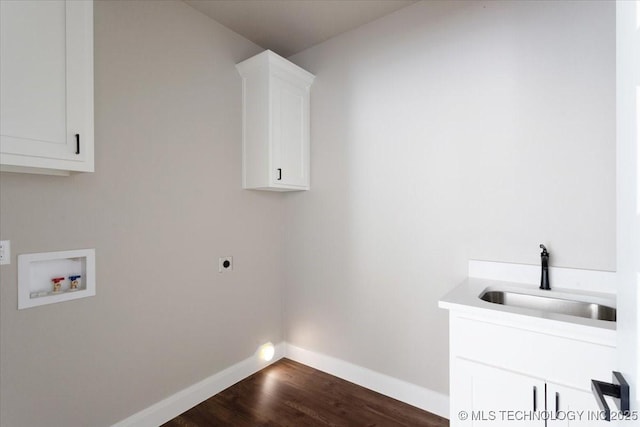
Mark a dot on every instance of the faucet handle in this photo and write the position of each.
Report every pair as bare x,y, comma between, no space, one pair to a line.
544,250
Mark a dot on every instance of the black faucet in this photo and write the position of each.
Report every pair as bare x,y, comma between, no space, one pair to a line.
544,278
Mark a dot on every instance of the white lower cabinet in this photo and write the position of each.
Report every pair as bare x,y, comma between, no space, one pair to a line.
493,396
526,373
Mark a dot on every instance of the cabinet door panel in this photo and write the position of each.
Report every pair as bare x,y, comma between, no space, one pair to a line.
43,78
570,407
496,397
289,132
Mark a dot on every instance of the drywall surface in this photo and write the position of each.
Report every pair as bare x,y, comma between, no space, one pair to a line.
164,203
628,121
444,132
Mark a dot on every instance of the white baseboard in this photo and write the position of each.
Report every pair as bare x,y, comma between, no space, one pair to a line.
174,405
169,408
403,391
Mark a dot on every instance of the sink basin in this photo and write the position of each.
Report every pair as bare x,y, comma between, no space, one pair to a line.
586,309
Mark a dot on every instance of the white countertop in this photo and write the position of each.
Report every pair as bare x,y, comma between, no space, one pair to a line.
465,298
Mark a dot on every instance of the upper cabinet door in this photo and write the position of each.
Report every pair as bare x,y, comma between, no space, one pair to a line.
275,120
290,149
46,86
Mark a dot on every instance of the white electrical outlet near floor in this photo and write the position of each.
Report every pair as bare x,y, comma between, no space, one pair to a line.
5,252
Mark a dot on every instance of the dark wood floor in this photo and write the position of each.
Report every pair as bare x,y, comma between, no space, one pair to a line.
288,393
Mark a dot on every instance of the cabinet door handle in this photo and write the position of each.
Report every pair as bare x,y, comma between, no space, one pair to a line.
279,174
535,399
77,143
557,403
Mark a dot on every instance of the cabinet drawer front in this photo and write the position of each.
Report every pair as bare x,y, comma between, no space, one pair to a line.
567,361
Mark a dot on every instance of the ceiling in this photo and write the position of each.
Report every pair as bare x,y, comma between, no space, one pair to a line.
290,26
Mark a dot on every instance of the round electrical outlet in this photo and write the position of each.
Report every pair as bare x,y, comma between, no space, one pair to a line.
225,264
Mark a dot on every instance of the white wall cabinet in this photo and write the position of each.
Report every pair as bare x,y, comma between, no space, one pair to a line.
46,86
275,117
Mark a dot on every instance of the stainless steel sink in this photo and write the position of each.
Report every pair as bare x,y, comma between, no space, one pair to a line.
589,310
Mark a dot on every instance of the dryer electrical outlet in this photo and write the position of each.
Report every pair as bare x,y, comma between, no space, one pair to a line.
225,264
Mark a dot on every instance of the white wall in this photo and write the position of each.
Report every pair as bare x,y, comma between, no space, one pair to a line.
444,132
628,126
164,203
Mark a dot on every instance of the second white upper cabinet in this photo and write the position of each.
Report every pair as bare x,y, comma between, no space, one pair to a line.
275,117
46,86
